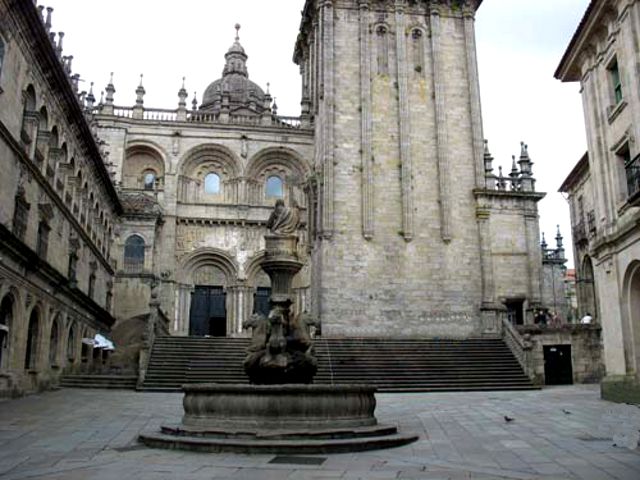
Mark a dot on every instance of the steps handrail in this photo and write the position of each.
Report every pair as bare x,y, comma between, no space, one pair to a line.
519,346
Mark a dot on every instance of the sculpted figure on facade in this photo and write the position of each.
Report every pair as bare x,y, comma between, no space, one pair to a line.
284,220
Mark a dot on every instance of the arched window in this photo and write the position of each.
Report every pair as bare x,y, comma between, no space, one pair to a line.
274,187
6,317
212,184
31,352
134,254
53,343
29,116
149,180
418,50
71,344
382,46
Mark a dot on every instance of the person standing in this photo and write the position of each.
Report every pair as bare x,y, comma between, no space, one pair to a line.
587,319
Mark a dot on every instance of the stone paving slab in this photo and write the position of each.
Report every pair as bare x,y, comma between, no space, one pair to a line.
556,433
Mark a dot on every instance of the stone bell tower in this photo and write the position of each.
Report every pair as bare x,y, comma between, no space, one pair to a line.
392,87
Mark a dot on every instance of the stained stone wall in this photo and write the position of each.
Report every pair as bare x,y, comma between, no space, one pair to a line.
190,228
398,249
52,167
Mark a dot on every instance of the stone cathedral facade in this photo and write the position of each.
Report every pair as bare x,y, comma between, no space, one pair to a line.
408,230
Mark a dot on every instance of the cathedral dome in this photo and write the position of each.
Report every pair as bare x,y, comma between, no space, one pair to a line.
244,96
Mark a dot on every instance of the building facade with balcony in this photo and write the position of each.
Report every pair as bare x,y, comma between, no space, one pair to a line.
604,187
58,212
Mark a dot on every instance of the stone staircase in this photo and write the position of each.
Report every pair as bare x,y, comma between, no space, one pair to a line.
99,381
392,365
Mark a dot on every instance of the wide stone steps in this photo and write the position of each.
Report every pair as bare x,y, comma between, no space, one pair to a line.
392,365
99,381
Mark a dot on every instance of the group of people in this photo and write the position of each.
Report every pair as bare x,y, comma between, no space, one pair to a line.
544,317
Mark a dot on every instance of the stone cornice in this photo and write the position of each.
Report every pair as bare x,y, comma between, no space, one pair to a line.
46,57
465,8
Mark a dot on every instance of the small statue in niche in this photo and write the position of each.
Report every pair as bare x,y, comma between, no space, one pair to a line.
284,220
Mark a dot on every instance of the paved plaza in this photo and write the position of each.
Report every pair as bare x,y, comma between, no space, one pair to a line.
560,433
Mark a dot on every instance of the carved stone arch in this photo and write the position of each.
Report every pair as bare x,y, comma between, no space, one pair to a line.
381,32
631,316
11,308
43,119
204,160
587,288
35,321
29,99
208,256
417,35
254,274
72,339
144,158
285,163
54,337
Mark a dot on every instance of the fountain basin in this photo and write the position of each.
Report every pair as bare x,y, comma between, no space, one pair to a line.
289,418
292,406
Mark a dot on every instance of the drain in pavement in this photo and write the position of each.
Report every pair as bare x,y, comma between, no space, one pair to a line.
295,460
130,448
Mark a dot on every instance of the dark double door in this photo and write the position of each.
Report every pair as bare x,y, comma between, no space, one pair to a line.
558,368
208,315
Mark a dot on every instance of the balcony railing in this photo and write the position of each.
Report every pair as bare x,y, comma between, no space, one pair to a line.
632,170
196,116
591,222
579,233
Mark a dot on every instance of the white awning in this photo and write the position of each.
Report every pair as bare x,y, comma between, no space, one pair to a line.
100,341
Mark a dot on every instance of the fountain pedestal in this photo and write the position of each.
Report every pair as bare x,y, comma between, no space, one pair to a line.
281,412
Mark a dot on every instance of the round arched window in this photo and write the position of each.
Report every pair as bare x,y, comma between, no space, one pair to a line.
149,180
212,184
274,187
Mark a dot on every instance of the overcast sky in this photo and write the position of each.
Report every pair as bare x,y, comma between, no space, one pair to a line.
519,42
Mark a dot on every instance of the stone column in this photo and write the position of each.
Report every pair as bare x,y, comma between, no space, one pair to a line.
327,119
368,204
404,126
534,258
475,109
441,127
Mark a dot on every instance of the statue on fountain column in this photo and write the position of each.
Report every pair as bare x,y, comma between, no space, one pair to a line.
281,350
284,220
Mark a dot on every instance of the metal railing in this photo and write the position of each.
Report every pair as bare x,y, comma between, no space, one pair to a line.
197,116
632,170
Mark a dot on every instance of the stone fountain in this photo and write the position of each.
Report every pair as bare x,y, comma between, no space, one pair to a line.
281,411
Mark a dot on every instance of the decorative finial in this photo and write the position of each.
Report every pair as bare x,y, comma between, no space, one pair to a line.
543,244
194,102
237,27
111,77
268,87
183,79
141,75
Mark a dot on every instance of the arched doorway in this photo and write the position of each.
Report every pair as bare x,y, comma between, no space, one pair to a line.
6,320
262,294
31,351
54,341
71,344
208,313
588,289
632,297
